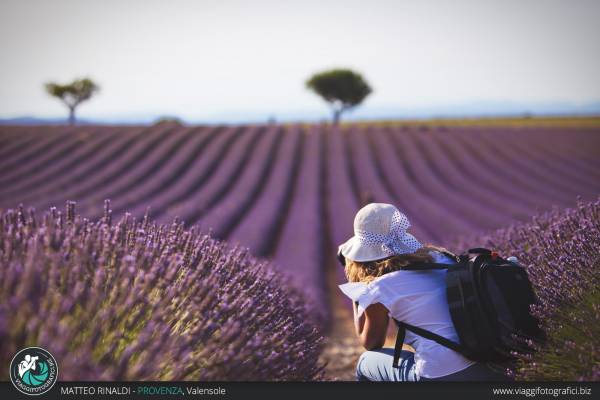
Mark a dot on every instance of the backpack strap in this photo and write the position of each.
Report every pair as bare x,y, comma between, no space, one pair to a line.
432,265
479,250
402,326
399,342
425,266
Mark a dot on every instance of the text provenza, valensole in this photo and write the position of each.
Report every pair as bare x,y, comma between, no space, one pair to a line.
143,390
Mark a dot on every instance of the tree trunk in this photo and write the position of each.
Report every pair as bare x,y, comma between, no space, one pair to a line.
337,112
71,115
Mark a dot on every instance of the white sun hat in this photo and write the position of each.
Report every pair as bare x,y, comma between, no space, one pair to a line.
379,232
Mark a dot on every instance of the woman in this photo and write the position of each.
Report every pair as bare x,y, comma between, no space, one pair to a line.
380,289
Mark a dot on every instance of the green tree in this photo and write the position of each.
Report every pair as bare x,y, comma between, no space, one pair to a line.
72,94
343,89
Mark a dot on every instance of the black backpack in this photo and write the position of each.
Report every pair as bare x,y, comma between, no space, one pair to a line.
489,298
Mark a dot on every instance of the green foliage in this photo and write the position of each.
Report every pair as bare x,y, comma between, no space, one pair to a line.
569,353
72,94
342,88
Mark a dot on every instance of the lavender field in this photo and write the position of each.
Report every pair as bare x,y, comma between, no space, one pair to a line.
289,193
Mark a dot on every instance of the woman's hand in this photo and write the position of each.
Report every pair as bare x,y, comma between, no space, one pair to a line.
371,326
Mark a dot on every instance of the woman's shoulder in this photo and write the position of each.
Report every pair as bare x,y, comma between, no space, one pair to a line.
440,257
362,293
397,276
406,277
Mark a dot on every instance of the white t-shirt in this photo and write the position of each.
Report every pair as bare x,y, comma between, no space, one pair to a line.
417,298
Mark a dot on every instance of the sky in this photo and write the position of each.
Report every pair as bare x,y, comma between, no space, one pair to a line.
224,59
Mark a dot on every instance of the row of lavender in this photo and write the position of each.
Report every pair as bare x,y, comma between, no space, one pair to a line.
271,187
134,300
561,251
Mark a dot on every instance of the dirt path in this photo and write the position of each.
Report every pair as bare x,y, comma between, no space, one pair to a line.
342,348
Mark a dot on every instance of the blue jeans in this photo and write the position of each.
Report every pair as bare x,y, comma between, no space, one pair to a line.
376,365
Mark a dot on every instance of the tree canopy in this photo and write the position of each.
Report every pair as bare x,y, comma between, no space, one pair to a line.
342,88
72,94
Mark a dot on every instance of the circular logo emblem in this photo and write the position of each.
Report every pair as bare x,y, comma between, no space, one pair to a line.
33,371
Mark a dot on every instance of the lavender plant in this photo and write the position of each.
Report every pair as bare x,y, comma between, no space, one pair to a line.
561,251
134,300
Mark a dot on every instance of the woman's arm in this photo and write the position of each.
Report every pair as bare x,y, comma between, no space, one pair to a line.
371,326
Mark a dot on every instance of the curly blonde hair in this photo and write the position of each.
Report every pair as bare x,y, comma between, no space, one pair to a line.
367,271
